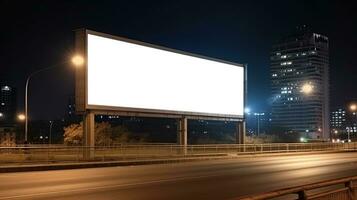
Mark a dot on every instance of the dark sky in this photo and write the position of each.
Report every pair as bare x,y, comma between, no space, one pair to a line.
37,34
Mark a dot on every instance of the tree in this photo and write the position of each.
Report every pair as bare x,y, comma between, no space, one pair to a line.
105,134
73,134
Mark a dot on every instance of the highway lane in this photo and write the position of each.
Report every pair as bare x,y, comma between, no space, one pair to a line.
214,179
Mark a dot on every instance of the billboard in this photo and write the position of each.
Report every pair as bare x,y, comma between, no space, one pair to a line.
127,75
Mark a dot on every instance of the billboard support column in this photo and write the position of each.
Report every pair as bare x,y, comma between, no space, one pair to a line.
182,134
240,133
88,135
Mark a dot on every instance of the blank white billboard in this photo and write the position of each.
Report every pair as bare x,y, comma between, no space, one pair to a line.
125,75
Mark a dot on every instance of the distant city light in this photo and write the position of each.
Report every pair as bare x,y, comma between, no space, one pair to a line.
5,88
302,139
353,107
1,115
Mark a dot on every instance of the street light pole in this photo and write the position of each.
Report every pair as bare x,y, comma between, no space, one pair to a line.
353,109
258,124
26,94
76,60
49,139
348,135
258,117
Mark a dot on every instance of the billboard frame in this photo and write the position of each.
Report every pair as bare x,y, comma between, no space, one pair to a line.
81,88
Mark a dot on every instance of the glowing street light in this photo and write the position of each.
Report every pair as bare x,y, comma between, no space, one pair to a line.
353,107
247,110
21,117
1,115
307,88
77,60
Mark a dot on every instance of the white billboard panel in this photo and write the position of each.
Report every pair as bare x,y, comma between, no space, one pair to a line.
127,75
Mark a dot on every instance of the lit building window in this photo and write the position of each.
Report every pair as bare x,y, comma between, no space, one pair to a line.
286,63
5,88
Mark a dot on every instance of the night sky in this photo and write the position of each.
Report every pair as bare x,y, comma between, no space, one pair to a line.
38,34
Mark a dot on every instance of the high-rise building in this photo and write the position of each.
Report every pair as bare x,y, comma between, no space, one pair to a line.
343,122
300,84
7,104
338,120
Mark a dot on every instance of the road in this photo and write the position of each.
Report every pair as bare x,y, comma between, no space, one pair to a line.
213,179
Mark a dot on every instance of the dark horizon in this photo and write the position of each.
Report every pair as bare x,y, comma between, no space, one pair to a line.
38,35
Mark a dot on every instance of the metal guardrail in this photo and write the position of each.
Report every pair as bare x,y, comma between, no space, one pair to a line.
337,189
61,153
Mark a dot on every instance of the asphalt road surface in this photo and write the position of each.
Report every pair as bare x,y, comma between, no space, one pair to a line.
214,179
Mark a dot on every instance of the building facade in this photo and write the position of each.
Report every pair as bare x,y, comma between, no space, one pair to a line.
338,120
343,123
7,104
300,84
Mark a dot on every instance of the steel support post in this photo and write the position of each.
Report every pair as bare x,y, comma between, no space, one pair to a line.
88,136
182,134
240,133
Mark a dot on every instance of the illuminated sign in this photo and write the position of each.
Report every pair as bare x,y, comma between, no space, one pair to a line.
127,75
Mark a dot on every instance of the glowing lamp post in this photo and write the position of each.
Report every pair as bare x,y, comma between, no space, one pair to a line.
76,60
353,109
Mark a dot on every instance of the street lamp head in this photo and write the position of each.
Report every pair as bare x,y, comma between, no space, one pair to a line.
307,88
353,107
247,110
21,117
77,60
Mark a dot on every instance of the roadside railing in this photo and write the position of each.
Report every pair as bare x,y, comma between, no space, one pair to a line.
61,153
337,189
